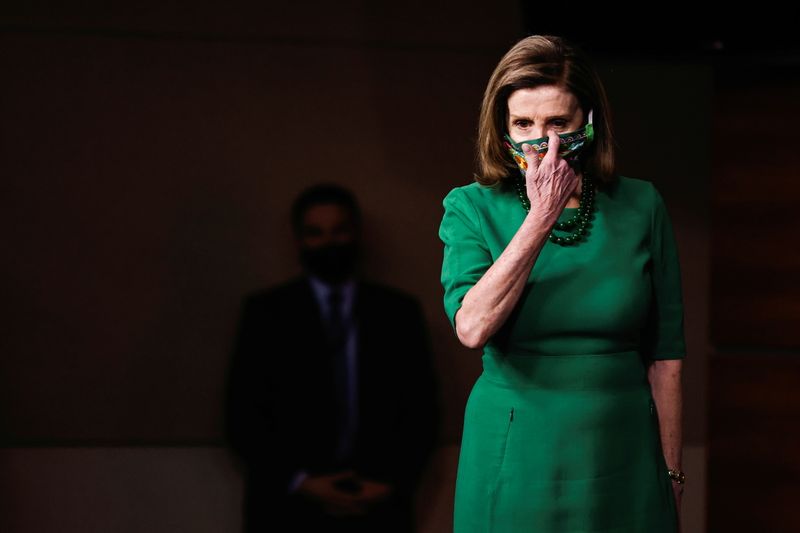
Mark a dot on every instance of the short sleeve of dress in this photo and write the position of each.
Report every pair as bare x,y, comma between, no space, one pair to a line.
466,255
664,336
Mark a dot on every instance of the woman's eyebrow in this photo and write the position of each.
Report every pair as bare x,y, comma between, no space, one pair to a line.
562,117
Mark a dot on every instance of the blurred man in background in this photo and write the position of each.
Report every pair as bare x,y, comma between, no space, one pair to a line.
332,403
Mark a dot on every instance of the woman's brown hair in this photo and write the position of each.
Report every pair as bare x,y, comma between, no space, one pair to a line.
532,62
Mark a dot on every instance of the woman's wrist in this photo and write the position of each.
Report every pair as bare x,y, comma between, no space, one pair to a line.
677,475
543,220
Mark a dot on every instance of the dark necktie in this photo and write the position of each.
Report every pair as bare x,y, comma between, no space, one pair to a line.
336,330
337,338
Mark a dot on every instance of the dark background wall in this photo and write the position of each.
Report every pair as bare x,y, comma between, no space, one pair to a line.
148,157
149,166
755,368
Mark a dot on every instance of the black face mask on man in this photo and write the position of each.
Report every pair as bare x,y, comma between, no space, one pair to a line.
332,263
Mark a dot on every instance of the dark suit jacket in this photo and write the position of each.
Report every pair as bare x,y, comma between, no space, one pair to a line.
280,411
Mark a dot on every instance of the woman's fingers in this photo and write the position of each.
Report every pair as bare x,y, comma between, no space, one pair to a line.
550,160
553,145
532,158
550,180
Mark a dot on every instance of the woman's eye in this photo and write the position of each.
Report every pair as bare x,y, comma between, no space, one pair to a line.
559,123
522,123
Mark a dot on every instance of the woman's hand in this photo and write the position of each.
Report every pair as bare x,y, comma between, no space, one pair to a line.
549,182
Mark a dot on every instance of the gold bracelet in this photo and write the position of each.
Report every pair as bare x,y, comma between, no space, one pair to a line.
677,475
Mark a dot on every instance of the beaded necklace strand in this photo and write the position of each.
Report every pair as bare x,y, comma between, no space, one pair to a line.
578,224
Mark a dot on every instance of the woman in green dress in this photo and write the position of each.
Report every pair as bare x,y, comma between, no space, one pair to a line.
567,276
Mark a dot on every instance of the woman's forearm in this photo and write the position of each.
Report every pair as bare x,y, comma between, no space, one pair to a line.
665,384
487,305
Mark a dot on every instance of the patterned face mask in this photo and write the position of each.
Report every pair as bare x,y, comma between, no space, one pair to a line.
571,145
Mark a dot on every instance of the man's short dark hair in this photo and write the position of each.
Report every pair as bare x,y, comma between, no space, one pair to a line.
324,194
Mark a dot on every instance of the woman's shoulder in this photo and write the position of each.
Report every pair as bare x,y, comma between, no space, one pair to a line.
473,195
633,191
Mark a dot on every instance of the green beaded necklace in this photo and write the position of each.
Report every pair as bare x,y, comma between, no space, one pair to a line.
578,224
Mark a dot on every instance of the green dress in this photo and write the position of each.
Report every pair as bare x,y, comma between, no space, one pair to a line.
560,430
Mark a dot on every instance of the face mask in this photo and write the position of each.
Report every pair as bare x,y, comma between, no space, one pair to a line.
333,263
571,145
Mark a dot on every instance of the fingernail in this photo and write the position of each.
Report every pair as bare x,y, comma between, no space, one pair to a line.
526,148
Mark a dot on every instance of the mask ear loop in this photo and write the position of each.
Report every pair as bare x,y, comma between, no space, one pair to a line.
590,127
